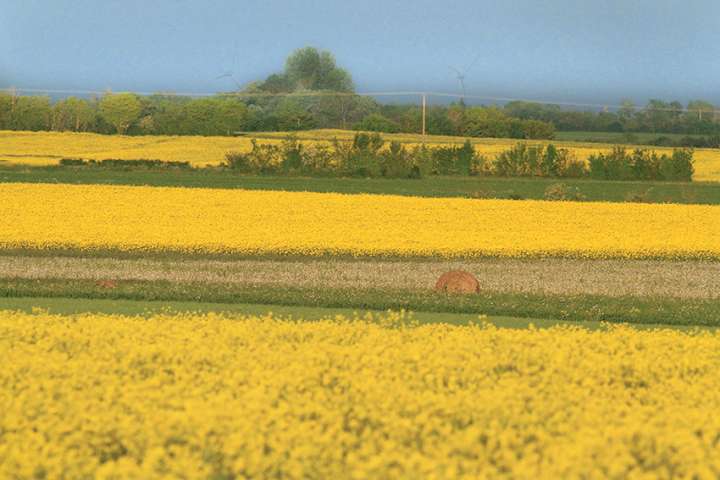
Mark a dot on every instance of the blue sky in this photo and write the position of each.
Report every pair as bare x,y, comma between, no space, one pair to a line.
581,50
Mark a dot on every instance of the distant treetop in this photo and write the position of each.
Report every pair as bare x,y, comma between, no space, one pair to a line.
307,69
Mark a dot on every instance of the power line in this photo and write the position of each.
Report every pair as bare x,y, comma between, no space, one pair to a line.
208,94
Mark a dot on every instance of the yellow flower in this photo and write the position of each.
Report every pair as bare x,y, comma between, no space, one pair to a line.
210,396
94,217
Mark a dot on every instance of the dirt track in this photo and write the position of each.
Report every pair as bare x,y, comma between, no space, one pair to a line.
688,279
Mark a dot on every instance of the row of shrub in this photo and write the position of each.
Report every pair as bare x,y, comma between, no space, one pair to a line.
366,156
117,163
537,161
641,164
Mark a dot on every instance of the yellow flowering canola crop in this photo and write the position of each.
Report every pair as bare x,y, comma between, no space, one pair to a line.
186,396
43,216
47,148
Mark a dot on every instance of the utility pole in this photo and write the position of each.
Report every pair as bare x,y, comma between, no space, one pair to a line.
13,98
424,103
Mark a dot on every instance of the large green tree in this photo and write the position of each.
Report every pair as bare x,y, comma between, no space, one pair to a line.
341,111
73,114
311,69
701,109
214,116
307,69
120,110
7,103
30,113
292,114
487,122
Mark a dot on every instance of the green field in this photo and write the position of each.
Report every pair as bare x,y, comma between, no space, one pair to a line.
66,306
69,306
474,187
579,307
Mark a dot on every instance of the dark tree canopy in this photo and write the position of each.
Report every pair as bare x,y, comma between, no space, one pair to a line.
308,69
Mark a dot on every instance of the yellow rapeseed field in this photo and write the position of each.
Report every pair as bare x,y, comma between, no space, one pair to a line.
188,396
92,217
45,148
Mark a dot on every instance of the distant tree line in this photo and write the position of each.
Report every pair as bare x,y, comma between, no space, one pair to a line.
707,141
130,114
313,92
697,117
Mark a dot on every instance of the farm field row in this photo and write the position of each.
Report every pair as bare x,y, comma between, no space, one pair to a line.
148,308
707,193
74,306
92,218
552,276
229,396
47,148
631,309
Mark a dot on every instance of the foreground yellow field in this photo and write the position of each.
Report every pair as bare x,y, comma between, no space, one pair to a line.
92,217
46,148
185,396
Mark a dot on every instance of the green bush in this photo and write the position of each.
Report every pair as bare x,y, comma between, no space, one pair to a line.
366,156
239,162
522,160
465,156
454,160
362,159
616,165
140,163
571,167
536,129
443,160
318,160
642,164
72,162
678,167
549,163
117,163
262,159
376,122
396,162
525,160
292,155
423,160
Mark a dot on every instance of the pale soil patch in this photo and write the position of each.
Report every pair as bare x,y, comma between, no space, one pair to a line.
683,279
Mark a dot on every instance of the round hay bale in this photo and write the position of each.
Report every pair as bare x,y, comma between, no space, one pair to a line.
457,281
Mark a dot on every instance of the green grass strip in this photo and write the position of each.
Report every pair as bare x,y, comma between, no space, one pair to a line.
70,306
475,187
585,308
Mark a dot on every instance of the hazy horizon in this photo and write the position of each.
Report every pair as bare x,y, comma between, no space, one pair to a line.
563,51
